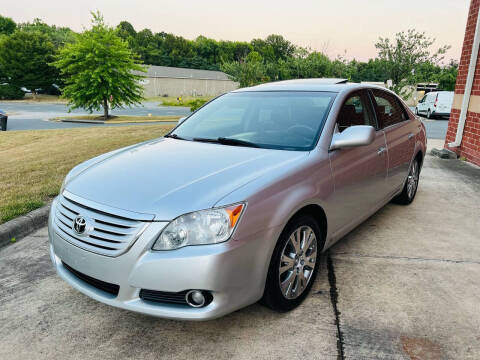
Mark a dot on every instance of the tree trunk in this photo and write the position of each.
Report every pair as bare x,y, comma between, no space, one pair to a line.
105,109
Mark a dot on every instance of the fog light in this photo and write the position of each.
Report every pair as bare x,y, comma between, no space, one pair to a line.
195,298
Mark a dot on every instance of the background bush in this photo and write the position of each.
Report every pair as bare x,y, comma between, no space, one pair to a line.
195,104
10,92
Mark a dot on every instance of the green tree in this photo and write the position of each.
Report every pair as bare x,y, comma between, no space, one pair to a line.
372,70
98,69
25,60
207,50
282,48
251,71
448,76
58,36
403,55
125,30
7,25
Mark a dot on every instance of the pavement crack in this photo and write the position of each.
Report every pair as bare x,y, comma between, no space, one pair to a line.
334,300
408,258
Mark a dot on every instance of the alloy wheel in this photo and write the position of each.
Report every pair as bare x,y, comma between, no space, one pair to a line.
297,262
412,180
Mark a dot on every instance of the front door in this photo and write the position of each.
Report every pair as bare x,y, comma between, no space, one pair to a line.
359,173
422,106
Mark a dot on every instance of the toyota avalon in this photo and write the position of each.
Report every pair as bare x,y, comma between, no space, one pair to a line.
238,201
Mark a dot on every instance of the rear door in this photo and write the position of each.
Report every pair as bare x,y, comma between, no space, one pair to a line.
359,172
399,134
444,103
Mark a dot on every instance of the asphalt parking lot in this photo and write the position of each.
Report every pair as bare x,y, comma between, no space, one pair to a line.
35,116
403,285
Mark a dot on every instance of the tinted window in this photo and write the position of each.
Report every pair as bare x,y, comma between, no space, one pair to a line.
355,111
388,108
277,120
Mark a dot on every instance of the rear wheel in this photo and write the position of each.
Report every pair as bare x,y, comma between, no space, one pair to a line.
411,185
294,264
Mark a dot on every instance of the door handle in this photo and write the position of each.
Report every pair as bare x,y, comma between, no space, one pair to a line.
410,136
381,150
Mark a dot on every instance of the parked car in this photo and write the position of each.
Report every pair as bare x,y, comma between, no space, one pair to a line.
3,120
238,201
435,104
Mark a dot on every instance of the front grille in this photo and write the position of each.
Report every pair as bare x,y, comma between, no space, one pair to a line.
164,297
108,234
99,284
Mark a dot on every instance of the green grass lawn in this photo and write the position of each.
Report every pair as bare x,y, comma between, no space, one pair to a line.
34,163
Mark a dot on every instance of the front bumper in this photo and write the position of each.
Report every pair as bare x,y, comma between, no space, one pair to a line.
234,272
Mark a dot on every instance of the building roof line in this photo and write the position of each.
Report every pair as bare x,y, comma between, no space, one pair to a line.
182,73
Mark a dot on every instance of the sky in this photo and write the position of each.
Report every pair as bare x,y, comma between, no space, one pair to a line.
342,27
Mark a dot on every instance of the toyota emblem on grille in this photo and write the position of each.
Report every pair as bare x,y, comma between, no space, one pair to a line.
79,224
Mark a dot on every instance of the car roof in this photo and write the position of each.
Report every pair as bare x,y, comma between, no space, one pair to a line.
320,84
440,92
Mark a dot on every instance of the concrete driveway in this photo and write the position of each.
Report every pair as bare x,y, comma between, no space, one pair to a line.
404,285
35,116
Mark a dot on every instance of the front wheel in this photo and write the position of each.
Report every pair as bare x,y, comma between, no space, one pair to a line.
416,111
429,114
411,185
294,264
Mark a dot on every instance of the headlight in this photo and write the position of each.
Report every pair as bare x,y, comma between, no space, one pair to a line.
209,226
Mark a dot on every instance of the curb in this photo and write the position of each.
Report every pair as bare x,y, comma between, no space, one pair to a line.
82,121
24,225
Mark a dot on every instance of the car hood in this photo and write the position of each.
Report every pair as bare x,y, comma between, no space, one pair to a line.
169,177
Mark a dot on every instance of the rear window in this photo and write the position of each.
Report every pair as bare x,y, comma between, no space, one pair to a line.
388,108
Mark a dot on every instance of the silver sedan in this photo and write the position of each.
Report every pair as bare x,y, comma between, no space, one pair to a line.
236,204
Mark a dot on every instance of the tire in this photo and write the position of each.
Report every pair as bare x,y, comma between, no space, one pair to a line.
411,185
289,282
429,114
416,111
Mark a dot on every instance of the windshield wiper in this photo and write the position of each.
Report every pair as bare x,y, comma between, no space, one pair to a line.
174,136
228,141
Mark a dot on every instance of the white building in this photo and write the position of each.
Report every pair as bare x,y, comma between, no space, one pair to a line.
172,81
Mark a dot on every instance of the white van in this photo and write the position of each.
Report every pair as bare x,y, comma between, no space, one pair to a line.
435,103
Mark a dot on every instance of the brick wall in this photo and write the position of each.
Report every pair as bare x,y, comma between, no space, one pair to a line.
470,146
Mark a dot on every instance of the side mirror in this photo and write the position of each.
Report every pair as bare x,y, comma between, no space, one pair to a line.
352,136
182,119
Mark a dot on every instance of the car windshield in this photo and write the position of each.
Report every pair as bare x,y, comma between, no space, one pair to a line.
289,120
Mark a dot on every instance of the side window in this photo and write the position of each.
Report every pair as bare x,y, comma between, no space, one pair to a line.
388,108
355,111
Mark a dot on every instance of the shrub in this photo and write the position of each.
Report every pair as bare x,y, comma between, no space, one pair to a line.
10,92
195,104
